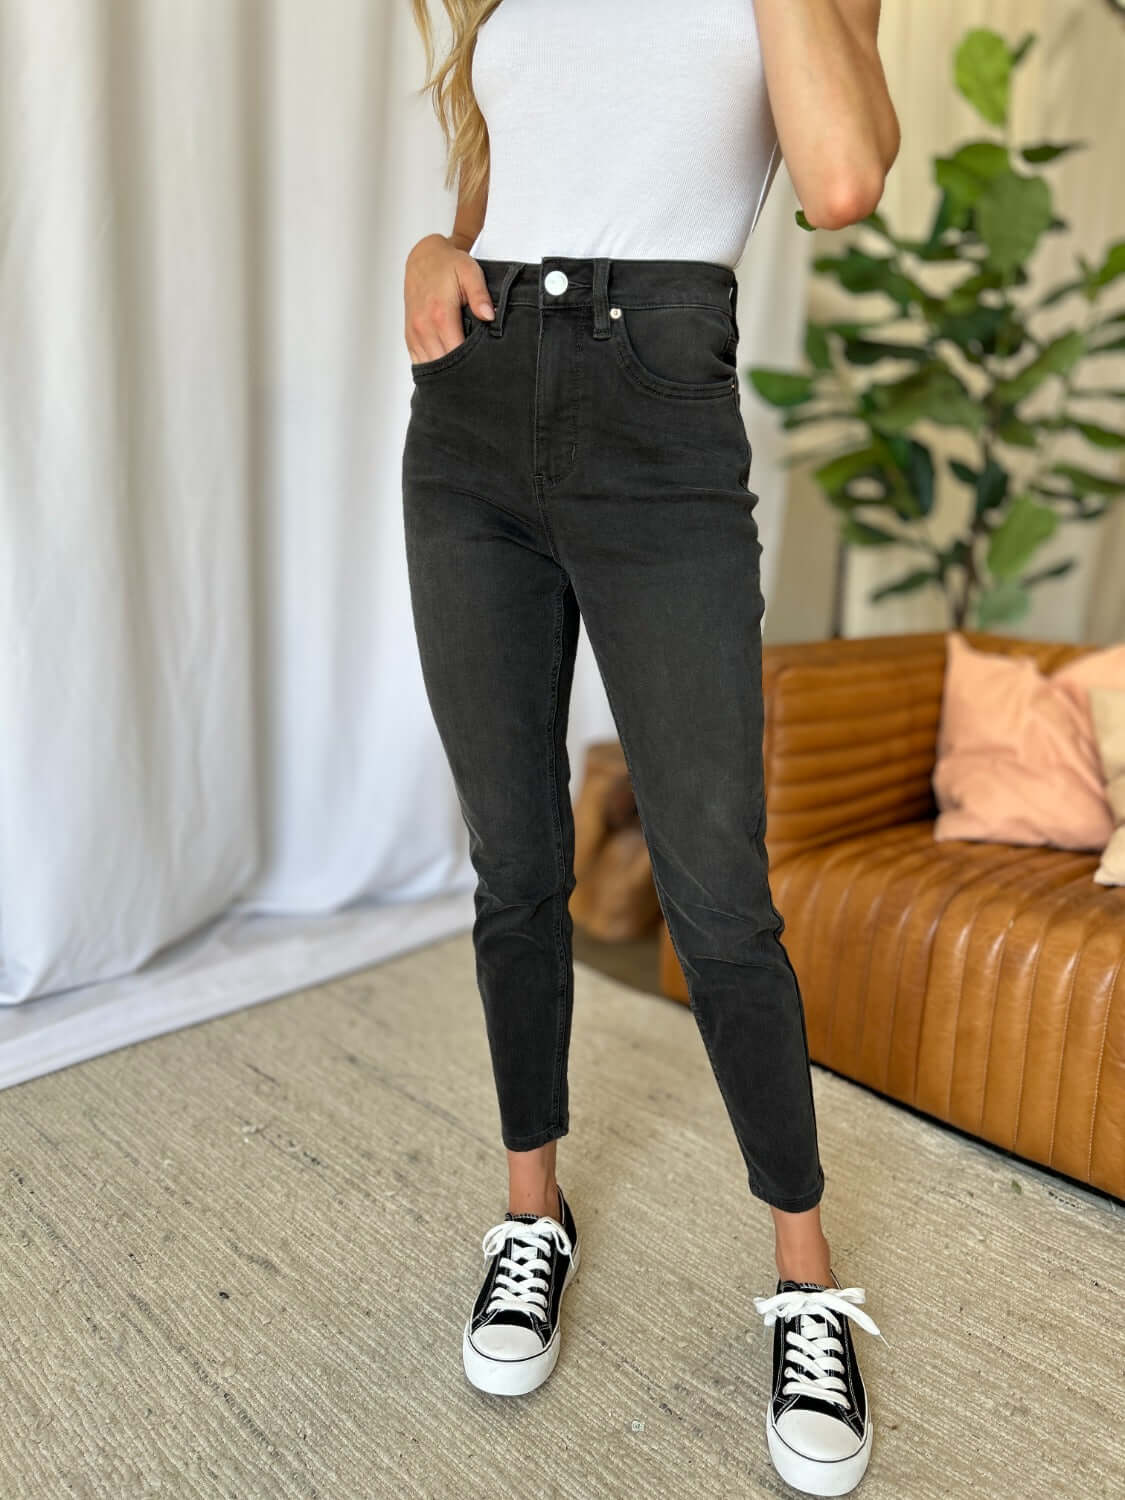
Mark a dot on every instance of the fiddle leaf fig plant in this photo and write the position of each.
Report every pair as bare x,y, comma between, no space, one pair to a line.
967,349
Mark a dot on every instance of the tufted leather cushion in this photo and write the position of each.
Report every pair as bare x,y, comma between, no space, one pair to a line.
981,983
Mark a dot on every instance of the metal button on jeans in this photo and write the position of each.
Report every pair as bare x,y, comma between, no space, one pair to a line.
556,282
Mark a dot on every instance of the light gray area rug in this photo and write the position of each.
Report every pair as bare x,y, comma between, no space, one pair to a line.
237,1261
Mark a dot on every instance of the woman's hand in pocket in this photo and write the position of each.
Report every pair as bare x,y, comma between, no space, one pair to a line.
440,279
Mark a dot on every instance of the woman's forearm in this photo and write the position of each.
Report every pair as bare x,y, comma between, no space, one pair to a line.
836,124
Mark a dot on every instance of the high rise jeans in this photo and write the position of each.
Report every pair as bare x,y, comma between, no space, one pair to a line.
583,456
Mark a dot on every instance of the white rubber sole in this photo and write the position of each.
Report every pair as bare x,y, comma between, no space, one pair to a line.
815,1476
515,1377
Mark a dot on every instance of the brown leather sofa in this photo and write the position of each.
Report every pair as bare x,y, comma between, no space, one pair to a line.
983,984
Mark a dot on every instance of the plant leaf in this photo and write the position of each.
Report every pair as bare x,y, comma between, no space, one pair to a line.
782,387
913,461
816,347
1016,432
794,417
857,271
1101,437
992,488
906,584
1112,267
860,330
1056,570
1086,482
1110,320
1055,359
840,471
965,174
1011,213
1002,603
934,393
978,330
1050,151
871,351
861,534
947,215
982,66
1025,526
1063,289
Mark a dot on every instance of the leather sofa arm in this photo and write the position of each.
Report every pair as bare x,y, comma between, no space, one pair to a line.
851,732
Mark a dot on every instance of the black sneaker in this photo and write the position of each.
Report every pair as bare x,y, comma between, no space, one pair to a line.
511,1341
818,1425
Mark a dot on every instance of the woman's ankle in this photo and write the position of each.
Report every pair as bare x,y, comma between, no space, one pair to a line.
538,1201
532,1185
802,1251
805,1263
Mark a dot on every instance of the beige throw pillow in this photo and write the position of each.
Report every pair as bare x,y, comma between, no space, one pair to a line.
1107,707
1016,758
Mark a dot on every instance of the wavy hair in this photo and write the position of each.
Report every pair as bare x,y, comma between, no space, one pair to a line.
450,84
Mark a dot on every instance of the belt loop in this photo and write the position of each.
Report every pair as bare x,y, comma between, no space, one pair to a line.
601,298
734,304
496,327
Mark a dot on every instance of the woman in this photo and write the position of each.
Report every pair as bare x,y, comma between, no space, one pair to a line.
576,450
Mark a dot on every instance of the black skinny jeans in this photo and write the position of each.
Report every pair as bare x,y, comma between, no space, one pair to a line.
584,455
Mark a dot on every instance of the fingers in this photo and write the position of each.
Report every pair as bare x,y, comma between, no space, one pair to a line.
476,292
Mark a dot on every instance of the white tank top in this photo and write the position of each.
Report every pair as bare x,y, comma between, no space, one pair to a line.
636,129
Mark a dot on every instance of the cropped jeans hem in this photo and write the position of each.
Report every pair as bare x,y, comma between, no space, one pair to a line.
791,1205
540,1138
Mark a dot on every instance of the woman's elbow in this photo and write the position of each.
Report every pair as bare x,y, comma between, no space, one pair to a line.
847,197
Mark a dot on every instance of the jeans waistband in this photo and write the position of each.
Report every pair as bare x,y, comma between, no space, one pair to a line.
560,281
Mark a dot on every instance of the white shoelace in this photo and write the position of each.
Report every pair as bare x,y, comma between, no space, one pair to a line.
811,1345
521,1278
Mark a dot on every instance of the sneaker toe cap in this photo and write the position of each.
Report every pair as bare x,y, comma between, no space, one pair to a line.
506,1341
817,1436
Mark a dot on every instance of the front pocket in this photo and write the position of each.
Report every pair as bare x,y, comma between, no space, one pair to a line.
688,352
474,327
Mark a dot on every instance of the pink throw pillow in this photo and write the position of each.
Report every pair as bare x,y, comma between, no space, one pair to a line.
1017,759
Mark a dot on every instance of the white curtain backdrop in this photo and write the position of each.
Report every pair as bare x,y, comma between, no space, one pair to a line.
219,776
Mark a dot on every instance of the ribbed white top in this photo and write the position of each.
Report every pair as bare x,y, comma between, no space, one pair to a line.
629,128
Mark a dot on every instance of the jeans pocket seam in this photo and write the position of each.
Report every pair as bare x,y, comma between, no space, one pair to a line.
452,356
671,390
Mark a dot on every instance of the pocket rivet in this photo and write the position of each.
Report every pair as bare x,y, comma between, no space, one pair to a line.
615,312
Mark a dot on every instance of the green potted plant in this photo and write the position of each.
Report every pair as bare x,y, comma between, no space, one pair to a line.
966,349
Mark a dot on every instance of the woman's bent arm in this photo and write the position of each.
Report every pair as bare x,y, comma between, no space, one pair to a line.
836,124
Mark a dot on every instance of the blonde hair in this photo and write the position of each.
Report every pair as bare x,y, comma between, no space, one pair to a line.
451,85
